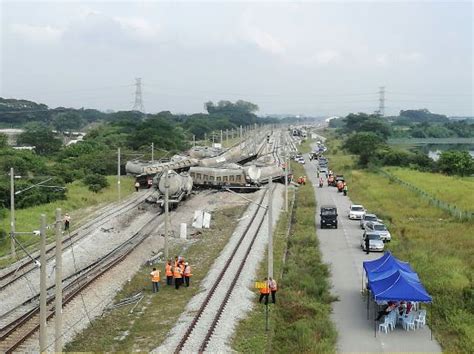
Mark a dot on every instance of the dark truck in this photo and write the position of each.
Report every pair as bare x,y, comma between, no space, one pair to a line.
328,215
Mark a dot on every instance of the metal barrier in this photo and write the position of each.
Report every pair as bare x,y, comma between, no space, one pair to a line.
452,209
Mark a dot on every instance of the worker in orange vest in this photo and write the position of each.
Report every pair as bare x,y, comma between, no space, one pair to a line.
273,288
169,273
176,261
264,292
187,273
178,276
155,280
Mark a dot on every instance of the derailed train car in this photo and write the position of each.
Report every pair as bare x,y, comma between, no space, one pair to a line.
180,186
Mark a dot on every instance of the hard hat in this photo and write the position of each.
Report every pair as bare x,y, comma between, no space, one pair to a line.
186,263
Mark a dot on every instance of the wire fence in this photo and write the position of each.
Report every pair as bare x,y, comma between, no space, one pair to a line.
450,208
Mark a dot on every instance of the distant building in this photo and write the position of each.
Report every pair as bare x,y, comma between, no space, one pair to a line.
11,134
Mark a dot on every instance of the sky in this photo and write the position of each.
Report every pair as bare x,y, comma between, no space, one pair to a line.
300,57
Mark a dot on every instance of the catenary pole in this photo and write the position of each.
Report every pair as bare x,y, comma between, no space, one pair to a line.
167,187
58,318
118,175
12,213
152,152
43,294
270,227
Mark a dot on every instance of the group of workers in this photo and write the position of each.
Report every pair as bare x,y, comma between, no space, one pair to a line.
270,287
301,180
178,272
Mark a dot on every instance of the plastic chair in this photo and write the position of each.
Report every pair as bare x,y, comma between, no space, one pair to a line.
383,327
409,322
420,320
393,319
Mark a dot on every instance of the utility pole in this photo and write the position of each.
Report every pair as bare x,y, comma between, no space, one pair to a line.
241,133
12,213
287,166
382,101
138,105
58,318
270,227
205,139
221,136
43,294
194,140
118,174
152,152
167,187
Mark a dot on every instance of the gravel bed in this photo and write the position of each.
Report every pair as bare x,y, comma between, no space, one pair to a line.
101,293
242,298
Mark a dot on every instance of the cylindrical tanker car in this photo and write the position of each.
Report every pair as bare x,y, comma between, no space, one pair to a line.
180,186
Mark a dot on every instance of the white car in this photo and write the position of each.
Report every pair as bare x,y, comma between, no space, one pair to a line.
368,217
375,242
380,229
301,160
356,212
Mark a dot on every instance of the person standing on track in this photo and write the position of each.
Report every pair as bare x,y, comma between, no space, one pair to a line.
367,244
137,186
273,288
155,280
264,292
169,273
187,274
67,221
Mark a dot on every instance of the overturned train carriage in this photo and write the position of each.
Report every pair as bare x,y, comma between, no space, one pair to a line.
180,186
211,177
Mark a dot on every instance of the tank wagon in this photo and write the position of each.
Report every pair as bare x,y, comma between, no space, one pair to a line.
180,186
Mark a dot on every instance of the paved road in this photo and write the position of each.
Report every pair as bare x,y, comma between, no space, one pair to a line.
341,249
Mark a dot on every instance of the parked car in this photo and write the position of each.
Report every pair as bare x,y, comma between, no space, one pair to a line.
356,212
328,214
301,160
368,217
375,242
323,170
380,229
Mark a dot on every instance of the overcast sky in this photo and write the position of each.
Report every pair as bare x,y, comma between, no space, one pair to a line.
313,58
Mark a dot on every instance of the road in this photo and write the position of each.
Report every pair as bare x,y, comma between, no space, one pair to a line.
341,250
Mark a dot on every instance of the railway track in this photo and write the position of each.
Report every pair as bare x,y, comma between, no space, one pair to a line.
194,338
23,326
29,264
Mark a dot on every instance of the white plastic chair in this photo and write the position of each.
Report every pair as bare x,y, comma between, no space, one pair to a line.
383,327
409,322
420,320
392,316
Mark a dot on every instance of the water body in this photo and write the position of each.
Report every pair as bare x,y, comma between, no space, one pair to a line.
434,150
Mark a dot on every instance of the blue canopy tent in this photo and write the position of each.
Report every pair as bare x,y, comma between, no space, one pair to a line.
399,287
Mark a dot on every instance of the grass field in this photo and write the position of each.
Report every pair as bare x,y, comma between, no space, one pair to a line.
300,321
453,190
146,329
80,203
439,247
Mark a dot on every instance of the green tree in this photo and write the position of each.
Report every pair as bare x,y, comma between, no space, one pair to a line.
364,144
456,162
67,121
96,182
41,137
3,141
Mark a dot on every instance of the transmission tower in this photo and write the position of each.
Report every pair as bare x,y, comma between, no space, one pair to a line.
381,110
138,105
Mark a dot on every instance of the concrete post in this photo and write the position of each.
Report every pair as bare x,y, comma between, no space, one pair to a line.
12,213
58,319
270,228
43,293
167,186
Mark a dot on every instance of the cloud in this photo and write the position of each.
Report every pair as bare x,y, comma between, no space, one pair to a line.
35,34
138,27
381,59
265,41
411,57
327,56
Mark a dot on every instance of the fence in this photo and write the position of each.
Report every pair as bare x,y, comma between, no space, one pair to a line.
452,209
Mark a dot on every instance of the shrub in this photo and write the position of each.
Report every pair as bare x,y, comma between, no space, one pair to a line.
96,182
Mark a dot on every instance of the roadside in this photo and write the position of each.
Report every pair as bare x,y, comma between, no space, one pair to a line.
300,321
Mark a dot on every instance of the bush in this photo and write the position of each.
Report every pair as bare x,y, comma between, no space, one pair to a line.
96,182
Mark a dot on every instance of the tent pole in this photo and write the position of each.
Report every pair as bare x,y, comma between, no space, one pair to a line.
368,298
375,322
431,322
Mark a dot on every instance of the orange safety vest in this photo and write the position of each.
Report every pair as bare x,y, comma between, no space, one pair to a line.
177,272
155,276
187,271
273,285
168,271
265,290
